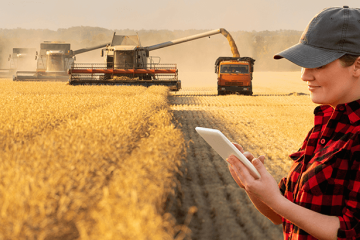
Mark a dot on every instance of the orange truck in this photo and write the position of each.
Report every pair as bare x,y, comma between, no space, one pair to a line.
234,75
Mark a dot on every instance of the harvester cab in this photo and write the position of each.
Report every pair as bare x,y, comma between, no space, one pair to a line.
126,52
20,59
54,57
128,63
53,61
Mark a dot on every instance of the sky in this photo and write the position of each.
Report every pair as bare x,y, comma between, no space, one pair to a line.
233,15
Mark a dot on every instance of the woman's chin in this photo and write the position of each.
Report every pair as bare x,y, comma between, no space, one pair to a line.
316,99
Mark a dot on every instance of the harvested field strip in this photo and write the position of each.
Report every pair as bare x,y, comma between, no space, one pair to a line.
258,124
103,171
240,100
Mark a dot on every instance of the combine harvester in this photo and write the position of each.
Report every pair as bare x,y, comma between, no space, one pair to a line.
128,63
53,62
20,59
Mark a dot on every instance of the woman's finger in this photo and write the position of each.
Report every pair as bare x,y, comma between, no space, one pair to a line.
246,154
235,177
240,169
238,146
259,165
261,158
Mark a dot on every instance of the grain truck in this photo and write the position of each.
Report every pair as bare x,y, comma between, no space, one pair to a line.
234,75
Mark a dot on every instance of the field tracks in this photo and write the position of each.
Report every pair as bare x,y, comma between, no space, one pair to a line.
224,210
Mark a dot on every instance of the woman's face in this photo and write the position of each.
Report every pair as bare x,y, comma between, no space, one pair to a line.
331,84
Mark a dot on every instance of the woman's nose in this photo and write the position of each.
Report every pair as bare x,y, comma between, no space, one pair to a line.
306,74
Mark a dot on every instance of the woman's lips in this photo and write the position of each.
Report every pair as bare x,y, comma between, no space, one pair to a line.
313,87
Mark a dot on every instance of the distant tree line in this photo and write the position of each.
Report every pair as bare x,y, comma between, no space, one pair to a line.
198,55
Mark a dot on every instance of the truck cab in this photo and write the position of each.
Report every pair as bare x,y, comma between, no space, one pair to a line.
234,75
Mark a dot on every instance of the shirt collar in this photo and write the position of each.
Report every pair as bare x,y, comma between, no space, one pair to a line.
323,109
352,110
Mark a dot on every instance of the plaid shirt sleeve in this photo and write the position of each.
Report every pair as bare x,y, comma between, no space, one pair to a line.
350,220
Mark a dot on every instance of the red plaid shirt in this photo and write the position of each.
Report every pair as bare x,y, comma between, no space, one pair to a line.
325,175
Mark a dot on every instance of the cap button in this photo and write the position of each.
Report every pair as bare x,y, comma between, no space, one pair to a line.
345,6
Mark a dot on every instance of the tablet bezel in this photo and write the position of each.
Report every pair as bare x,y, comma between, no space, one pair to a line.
224,147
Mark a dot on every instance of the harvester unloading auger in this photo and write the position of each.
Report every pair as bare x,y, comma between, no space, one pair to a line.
128,63
53,62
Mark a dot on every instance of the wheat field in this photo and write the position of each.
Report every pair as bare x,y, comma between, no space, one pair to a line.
121,162
86,162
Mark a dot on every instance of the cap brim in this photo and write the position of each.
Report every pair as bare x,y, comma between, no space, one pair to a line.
307,56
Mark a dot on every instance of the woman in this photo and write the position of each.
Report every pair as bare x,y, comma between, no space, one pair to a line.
320,197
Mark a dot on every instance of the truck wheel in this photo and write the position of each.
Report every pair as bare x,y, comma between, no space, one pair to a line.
221,93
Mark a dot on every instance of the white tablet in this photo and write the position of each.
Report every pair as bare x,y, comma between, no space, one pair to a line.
224,147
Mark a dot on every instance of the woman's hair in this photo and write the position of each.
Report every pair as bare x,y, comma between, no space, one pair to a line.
348,59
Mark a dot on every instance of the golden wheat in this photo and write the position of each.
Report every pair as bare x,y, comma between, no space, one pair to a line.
86,162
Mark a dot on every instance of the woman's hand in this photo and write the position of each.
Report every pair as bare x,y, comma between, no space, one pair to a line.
265,188
232,171
267,198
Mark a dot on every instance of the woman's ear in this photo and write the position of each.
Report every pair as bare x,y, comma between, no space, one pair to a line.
356,64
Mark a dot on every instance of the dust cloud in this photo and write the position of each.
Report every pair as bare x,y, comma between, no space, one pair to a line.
195,59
